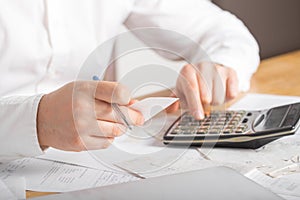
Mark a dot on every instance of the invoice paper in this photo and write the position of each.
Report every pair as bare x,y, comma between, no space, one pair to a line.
166,163
286,186
51,176
12,188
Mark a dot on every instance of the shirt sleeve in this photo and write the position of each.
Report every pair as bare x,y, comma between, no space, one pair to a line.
18,132
222,36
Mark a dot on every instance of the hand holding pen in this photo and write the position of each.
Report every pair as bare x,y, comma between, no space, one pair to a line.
87,119
117,109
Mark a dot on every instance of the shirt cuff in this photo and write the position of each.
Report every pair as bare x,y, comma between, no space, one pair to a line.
18,131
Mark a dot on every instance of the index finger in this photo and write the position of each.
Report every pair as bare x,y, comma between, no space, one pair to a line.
190,88
112,92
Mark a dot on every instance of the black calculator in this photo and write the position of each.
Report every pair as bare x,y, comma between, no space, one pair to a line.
241,129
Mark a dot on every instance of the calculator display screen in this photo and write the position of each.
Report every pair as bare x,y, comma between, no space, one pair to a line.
279,118
275,117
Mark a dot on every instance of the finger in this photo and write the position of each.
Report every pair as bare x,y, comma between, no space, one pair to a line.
133,101
205,94
179,93
232,86
134,117
112,92
109,129
95,143
204,88
191,91
219,86
105,112
173,108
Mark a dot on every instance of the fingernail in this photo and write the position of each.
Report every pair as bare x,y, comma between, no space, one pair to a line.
198,114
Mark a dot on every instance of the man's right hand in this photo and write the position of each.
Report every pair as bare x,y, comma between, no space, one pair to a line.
79,116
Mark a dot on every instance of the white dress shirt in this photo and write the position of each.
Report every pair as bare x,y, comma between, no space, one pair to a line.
43,44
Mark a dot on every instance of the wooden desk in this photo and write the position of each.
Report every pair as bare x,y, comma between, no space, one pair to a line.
279,75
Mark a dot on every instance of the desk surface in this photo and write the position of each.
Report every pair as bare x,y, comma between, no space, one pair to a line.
277,75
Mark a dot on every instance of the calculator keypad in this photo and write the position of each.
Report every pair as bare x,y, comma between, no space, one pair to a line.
229,122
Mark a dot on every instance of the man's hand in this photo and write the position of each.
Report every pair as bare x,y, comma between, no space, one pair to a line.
79,116
204,84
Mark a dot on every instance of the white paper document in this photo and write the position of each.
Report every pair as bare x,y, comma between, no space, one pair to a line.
51,176
12,188
5,192
166,163
150,107
286,186
84,158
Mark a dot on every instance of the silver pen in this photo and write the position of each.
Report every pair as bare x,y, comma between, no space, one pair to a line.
123,117
117,109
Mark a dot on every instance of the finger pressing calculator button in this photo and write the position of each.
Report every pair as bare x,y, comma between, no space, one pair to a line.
201,131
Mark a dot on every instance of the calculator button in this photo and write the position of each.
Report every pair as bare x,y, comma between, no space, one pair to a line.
218,127
230,126
243,127
184,127
226,131
220,123
192,124
236,118
176,131
214,131
201,131
204,127
232,123
223,119
239,131
245,120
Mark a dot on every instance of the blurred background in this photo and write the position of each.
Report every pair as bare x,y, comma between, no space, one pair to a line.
274,23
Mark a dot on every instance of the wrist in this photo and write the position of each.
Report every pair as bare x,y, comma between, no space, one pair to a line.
41,123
